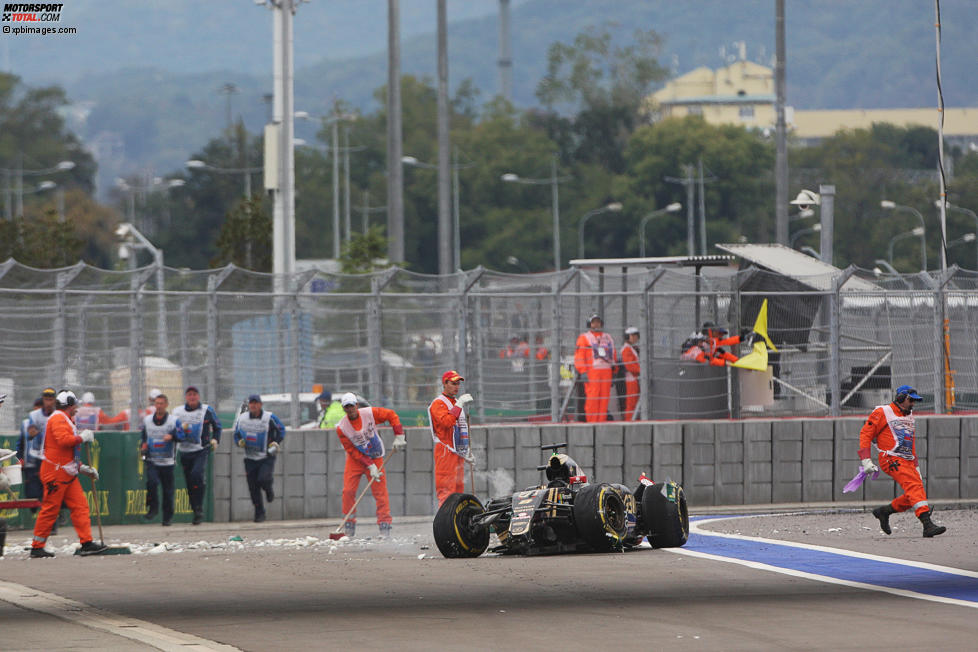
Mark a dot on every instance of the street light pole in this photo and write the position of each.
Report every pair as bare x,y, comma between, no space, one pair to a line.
917,231
671,208
457,244
554,182
965,211
613,207
890,205
555,208
136,240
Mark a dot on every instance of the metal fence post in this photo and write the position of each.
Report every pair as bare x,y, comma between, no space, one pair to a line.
294,333
59,331
734,371
136,372
185,339
648,302
212,283
835,341
375,335
63,279
940,311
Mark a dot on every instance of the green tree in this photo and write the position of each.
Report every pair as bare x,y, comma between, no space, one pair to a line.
41,241
33,135
363,250
245,238
737,201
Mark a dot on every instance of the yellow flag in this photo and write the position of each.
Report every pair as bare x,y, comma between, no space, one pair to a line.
760,327
755,361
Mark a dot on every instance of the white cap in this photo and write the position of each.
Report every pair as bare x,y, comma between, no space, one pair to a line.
631,330
88,397
153,393
348,399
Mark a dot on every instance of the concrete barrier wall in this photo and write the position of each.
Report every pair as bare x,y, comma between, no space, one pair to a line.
717,462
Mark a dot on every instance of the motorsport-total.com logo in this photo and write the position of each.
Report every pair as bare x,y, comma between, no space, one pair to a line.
31,12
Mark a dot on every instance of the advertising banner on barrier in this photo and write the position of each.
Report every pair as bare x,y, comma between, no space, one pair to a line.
121,487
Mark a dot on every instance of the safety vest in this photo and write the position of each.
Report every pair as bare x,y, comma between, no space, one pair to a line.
460,432
903,430
331,416
34,448
159,452
255,434
86,417
367,440
192,425
603,349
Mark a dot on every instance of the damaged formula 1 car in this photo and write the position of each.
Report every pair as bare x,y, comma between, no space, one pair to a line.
568,514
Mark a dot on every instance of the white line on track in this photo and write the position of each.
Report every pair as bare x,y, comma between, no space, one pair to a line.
695,528
101,620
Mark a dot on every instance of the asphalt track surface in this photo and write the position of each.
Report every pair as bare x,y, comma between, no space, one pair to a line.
820,580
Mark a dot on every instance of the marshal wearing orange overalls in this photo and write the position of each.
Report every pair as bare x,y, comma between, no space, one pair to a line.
450,434
594,359
59,475
891,427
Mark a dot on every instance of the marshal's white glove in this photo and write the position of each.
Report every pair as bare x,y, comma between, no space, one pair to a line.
463,400
400,441
375,473
87,435
241,443
213,444
869,467
85,469
273,449
470,458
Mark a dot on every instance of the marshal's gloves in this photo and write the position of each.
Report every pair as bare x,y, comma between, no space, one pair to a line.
400,441
463,400
470,458
213,444
241,443
87,435
869,467
375,473
85,469
273,448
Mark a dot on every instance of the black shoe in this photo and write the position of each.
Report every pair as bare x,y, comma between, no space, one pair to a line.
883,514
269,494
260,518
198,518
166,524
91,548
930,528
40,553
151,514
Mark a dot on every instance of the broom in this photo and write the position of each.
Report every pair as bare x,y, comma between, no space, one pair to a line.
339,534
112,550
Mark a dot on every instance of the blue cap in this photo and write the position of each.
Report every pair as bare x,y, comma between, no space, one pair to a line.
910,392
325,395
253,398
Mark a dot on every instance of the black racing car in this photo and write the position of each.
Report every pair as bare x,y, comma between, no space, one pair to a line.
568,514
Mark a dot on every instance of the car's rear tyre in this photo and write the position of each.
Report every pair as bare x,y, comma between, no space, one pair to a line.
600,517
667,520
455,534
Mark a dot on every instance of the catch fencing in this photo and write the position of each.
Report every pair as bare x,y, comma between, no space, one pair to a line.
844,340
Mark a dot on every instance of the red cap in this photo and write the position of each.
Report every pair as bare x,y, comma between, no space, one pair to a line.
450,375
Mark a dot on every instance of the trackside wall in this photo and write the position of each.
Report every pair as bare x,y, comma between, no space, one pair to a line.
717,462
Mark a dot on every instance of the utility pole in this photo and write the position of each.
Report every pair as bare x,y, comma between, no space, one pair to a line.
444,147
283,117
346,182
688,182
505,57
780,135
395,169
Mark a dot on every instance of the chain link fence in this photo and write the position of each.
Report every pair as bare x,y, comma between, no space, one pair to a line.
844,341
